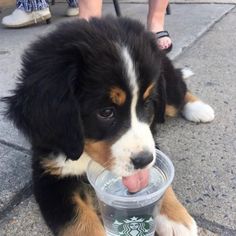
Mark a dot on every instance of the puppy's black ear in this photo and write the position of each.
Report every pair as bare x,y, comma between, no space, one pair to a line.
159,103
45,107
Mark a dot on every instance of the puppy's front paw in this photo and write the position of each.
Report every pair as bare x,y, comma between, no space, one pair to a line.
168,227
174,219
198,111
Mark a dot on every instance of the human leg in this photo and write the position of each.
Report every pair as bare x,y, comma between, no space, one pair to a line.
72,3
27,12
31,5
90,8
156,21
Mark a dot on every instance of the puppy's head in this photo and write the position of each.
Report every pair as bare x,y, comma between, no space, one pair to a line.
95,89
121,96
118,113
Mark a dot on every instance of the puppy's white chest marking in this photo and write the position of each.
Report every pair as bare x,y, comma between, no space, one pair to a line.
59,165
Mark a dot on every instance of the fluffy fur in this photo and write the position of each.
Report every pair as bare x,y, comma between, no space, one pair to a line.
96,90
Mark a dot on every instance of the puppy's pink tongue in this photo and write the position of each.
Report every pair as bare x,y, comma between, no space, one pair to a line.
137,181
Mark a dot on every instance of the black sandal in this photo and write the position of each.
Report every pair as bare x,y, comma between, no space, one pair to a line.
162,34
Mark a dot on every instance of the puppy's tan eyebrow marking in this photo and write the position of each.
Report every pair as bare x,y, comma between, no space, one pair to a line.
148,91
118,96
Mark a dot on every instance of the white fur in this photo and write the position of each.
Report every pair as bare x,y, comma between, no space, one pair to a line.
69,167
139,137
186,73
167,227
198,111
130,69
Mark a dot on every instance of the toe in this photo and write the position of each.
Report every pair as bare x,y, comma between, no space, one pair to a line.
164,43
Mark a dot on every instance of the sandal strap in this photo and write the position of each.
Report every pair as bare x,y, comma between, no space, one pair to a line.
162,34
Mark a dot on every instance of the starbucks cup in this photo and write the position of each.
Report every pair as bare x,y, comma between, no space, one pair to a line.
129,214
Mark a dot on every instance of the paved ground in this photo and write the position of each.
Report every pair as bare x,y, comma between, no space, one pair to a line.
204,154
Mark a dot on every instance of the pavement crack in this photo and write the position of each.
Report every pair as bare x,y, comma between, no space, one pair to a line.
213,226
15,146
22,195
4,52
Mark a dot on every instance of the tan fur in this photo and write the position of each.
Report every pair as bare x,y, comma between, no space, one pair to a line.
148,91
87,223
118,96
174,210
50,167
171,111
99,151
190,98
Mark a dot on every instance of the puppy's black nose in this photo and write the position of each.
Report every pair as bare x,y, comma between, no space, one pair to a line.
142,159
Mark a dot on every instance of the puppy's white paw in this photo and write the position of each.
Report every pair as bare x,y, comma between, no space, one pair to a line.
198,111
186,73
167,227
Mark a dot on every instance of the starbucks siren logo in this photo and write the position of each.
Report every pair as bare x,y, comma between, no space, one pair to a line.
135,226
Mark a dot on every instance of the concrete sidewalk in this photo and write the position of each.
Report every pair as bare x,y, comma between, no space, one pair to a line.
204,154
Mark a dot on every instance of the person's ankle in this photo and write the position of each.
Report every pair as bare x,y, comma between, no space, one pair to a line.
155,23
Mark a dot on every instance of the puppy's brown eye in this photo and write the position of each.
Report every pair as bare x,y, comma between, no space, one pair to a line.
106,113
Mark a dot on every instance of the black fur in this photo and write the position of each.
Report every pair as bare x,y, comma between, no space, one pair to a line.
64,83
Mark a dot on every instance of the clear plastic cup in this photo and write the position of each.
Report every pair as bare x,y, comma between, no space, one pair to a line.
130,214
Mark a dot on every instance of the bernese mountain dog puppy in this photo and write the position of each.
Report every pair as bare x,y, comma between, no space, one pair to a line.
96,90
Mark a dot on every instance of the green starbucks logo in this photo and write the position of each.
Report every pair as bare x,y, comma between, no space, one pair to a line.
135,226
